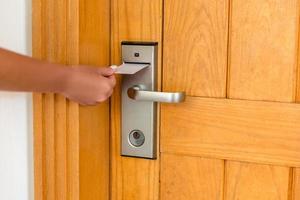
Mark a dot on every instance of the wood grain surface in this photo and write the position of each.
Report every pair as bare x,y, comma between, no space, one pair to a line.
296,185
132,20
94,46
73,140
210,148
71,144
263,50
186,177
242,130
50,112
195,47
251,181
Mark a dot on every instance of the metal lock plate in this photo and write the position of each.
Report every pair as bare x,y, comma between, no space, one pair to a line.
139,117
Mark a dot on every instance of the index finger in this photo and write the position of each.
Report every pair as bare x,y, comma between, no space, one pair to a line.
112,80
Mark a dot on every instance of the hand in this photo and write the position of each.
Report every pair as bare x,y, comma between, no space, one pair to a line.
89,85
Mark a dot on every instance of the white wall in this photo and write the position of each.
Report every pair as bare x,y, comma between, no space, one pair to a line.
16,157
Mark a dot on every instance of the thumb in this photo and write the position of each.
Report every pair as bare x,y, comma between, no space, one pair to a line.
106,71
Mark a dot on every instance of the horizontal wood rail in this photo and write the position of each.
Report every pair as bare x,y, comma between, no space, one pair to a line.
263,132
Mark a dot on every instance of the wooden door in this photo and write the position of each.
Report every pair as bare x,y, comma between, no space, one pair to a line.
237,136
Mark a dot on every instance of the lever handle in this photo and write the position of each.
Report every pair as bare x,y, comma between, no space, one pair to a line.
138,93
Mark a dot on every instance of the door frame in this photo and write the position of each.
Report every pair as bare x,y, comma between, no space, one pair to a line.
71,143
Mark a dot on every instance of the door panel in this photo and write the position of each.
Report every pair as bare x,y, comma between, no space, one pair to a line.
195,47
263,49
233,129
132,20
186,177
262,181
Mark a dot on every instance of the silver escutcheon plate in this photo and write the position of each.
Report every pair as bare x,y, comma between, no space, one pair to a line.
138,138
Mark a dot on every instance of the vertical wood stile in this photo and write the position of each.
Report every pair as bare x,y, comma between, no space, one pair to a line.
133,20
94,49
73,161
297,71
296,185
49,164
195,61
38,103
55,120
59,51
38,146
61,147
295,189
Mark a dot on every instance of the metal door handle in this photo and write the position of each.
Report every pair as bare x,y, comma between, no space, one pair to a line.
139,93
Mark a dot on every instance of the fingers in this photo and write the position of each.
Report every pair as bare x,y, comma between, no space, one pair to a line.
112,80
111,92
91,85
108,84
106,71
108,95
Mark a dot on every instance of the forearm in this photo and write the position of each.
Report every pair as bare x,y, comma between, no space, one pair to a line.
21,73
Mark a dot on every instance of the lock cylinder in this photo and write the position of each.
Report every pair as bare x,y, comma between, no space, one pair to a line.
136,138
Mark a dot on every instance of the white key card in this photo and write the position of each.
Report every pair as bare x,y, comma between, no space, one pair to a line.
128,68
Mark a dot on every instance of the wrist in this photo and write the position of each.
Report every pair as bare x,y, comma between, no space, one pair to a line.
62,75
